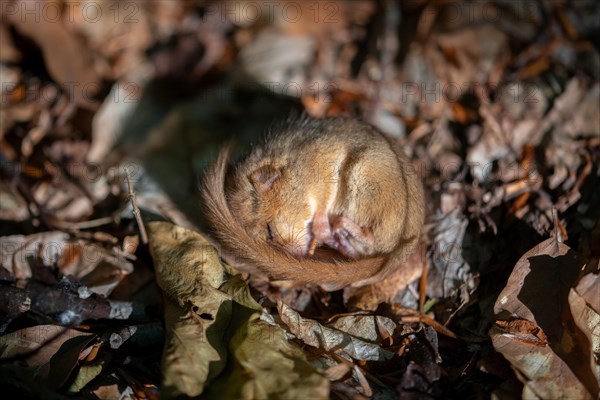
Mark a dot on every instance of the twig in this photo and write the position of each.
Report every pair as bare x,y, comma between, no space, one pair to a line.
554,221
423,280
136,210
408,315
94,223
557,235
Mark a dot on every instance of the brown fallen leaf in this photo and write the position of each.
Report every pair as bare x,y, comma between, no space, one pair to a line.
552,355
68,60
50,352
98,268
18,249
370,296
338,371
524,331
589,288
113,392
12,205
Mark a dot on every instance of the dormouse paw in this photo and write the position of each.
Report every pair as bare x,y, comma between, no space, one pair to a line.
341,234
352,241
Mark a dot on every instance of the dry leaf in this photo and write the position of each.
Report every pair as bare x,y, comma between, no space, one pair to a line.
423,367
18,249
589,288
539,291
211,319
50,352
189,272
279,60
338,371
98,268
85,375
68,60
12,205
449,270
265,366
319,336
366,327
370,296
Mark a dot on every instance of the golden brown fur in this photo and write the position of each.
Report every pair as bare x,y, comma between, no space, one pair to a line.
262,212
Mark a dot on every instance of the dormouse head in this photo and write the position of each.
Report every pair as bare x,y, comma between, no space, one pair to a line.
269,205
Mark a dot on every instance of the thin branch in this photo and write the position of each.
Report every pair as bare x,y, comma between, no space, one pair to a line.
136,210
557,235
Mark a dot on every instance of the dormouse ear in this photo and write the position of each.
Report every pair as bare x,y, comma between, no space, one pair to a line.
263,178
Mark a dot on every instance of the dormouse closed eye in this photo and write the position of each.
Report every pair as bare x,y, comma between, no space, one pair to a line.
269,232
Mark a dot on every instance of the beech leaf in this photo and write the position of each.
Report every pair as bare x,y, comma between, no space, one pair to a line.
550,349
219,340
314,334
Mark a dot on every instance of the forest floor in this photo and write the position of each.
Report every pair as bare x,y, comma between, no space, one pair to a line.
111,110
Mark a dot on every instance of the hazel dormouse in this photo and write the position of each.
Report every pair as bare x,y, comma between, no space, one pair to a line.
325,201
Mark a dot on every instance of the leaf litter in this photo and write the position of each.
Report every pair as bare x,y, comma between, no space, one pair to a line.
499,115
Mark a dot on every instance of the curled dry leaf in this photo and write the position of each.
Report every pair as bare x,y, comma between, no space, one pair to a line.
370,296
449,269
371,328
12,205
564,105
215,332
98,268
109,122
338,371
113,391
314,334
18,249
541,328
85,375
